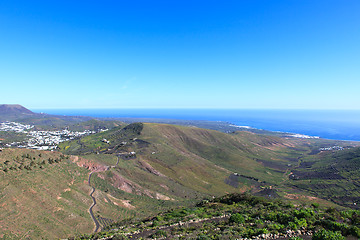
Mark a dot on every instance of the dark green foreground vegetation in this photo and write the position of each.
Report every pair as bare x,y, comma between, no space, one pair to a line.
240,216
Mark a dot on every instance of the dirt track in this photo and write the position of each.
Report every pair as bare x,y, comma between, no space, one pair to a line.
97,225
96,222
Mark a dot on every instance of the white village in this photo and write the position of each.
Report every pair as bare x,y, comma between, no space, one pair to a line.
40,140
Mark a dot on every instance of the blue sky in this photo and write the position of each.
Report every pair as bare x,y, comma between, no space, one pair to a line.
247,54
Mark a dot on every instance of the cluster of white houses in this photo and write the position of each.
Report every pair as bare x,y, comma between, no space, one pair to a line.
296,135
40,140
333,148
14,127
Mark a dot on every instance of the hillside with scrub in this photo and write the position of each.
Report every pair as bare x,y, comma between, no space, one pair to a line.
126,173
240,216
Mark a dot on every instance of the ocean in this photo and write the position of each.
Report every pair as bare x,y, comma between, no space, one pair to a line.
329,124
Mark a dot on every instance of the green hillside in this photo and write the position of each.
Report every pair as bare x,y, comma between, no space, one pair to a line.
143,169
332,175
46,195
201,161
239,216
118,139
43,194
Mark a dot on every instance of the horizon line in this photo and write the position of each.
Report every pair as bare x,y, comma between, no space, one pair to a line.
191,108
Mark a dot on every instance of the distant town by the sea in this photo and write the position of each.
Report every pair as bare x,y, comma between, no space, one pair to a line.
330,124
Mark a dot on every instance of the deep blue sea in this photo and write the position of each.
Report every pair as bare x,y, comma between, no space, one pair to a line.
330,124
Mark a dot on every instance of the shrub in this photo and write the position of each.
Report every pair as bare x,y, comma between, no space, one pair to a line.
355,217
159,233
336,226
304,213
301,223
263,231
202,237
276,226
237,218
355,231
259,221
284,218
327,235
249,232
293,226
271,216
315,205
159,218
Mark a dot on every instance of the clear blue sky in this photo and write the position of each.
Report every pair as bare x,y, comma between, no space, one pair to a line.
291,54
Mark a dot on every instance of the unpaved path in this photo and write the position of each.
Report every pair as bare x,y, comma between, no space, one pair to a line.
96,222
97,225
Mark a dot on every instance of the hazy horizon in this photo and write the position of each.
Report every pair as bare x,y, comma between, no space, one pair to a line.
331,124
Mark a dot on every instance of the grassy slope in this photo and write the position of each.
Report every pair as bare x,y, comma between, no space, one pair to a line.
188,162
332,175
95,143
50,202
224,153
10,137
239,216
174,166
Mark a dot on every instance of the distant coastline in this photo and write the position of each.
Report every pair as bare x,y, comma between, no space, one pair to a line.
329,124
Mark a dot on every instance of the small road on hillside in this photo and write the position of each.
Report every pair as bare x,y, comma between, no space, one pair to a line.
96,222
97,225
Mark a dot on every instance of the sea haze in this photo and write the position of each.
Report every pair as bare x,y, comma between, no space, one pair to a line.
330,124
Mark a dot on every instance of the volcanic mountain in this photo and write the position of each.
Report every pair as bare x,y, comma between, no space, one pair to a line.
12,111
18,113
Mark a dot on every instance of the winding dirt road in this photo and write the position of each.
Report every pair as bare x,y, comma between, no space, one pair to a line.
97,225
96,222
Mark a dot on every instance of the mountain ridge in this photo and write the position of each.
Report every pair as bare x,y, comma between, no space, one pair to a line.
16,109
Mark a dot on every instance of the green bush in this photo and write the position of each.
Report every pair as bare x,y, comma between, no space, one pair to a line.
272,216
336,226
159,233
249,232
304,213
237,218
159,218
284,218
301,223
355,231
315,205
293,226
202,237
327,235
263,231
275,226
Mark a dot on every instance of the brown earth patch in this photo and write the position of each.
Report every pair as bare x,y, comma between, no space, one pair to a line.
162,197
296,196
146,166
121,202
85,163
127,204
